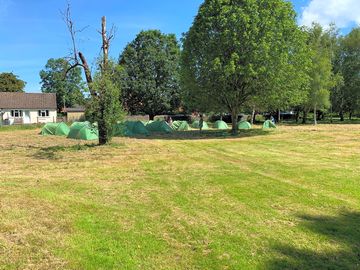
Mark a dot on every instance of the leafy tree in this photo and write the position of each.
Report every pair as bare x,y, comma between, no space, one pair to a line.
150,74
237,50
68,86
9,82
346,97
321,72
103,105
105,109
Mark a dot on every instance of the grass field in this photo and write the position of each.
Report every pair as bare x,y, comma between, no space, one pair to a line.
286,199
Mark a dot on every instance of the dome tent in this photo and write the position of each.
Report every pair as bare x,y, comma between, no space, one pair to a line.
159,127
57,129
180,125
268,124
196,124
244,125
220,125
83,131
130,128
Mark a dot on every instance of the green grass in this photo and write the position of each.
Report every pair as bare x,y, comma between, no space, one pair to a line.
19,127
284,199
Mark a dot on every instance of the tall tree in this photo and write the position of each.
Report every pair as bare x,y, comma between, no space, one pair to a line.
321,73
68,86
104,105
346,97
237,49
150,74
9,82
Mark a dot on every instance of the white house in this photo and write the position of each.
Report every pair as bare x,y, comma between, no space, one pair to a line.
27,108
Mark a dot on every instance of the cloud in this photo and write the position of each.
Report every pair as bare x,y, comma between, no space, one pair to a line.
343,13
4,7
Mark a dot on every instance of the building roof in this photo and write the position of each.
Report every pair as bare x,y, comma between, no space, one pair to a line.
74,109
10,100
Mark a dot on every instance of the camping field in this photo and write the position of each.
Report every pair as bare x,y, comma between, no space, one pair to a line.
283,199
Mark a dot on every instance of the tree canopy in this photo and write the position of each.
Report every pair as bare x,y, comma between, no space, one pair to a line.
237,50
67,84
150,74
346,97
9,82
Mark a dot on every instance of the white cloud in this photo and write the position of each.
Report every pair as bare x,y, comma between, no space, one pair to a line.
343,13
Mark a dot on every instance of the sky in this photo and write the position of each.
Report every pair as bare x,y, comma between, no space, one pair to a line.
33,31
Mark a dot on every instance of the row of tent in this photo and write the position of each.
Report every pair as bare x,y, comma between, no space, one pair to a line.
88,131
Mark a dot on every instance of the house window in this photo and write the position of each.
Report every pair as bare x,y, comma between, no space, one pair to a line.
16,113
43,113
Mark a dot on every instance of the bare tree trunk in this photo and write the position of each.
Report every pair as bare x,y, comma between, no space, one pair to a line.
304,120
103,130
315,115
279,116
151,116
234,119
341,114
297,115
253,116
105,43
350,116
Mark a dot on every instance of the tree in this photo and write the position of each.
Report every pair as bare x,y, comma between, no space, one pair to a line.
68,86
321,72
237,49
103,105
9,82
150,74
346,97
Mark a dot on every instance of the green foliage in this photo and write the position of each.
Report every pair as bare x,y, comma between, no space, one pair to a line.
321,72
9,82
346,97
150,74
105,108
240,51
68,86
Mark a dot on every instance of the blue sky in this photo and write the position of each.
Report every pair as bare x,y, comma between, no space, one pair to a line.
32,31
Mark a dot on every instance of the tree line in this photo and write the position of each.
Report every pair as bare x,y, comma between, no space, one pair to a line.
238,56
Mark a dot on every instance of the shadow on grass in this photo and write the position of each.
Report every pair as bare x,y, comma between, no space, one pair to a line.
342,230
321,122
204,135
51,152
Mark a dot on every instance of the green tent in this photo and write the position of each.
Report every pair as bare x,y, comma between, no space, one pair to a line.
220,125
244,125
57,129
159,127
268,124
83,131
196,124
129,129
180,125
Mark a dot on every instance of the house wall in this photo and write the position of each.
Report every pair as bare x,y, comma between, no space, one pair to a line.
33,117
75,116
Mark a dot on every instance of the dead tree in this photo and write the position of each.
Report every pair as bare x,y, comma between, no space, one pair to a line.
78,59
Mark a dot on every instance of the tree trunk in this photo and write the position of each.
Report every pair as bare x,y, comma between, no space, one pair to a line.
103,133
304,117
350,116
234,118
341,114
297,116
104,137
315,115
151,116
279,116
253,115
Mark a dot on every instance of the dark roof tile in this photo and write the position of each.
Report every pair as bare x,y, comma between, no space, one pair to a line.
9,100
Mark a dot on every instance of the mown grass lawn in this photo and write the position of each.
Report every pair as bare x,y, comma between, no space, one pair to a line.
287,199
